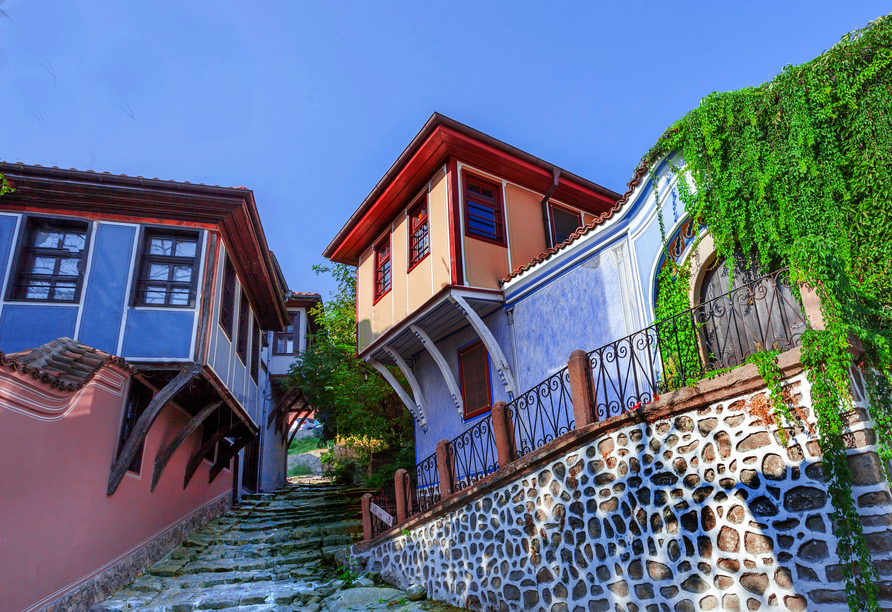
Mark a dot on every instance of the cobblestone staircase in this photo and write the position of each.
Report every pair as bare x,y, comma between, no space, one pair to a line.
274,553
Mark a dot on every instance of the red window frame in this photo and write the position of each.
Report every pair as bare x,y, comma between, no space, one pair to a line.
419,232
383,275
461,375
495,204
552,208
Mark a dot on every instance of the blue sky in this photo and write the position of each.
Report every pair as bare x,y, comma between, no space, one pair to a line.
308,104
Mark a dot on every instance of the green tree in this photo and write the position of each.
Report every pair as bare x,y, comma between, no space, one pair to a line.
354,405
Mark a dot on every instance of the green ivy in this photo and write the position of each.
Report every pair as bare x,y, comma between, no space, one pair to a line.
799,171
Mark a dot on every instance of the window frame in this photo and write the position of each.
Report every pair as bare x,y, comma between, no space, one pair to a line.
461,380
25,231
255,348
379,246
552,207
499,216
243,332
294,334
421,202
228,325
140,264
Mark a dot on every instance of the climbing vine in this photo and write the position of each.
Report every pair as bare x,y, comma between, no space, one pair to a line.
799,171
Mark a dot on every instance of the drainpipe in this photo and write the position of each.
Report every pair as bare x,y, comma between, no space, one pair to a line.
556,172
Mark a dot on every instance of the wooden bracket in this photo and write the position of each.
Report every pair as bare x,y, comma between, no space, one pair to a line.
165,455
141,429
226,455
196,458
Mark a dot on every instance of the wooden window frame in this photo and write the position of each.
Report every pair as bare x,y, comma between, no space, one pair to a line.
294,335
23,252
551,208
227,302
379,264
499,209
461,380
143,260
242,344
422,224
255,349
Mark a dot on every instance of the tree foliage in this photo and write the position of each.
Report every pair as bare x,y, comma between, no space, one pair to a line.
364,414
799,170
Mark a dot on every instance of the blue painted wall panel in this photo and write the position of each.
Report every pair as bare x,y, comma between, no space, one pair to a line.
25,326
107,287
158,333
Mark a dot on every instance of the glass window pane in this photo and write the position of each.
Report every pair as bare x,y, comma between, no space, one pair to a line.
74,241
64,291
38,290
182,274
43,265
155,294
280,345
47,239
160,246
68,266
179,296
158,271
186,248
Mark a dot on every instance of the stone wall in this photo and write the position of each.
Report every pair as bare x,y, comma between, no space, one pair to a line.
100,587
702,509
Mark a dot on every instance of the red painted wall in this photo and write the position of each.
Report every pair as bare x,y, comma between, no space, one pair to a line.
58,527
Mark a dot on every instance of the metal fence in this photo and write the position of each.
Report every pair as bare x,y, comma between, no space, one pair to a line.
386,500
626,374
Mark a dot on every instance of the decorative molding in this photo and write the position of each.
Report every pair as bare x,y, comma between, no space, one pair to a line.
495,351
434,352
413,382
415,410
18,395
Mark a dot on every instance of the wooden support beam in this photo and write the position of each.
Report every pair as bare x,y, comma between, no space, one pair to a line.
296,429
165,455
196,458
227,454
141,429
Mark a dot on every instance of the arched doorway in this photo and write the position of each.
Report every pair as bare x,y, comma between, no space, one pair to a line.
742,310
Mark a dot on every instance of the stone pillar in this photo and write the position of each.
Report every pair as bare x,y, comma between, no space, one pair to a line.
503,433
400,485
580,370
811,304
445,469
367,517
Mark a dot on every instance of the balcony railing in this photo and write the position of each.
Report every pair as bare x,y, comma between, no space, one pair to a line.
623,375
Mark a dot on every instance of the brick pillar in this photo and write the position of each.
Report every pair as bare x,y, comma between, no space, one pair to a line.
400,482
367,517
445,469
580,369
503,433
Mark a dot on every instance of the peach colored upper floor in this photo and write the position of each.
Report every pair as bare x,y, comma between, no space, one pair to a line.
484,264
57,525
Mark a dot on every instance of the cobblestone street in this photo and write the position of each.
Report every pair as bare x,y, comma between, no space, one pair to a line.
274,553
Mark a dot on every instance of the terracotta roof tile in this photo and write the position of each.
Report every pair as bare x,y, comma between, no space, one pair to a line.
640,173
62,363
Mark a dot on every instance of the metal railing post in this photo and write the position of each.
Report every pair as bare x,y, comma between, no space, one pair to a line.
579,368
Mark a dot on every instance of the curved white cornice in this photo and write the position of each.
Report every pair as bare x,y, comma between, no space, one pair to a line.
28,397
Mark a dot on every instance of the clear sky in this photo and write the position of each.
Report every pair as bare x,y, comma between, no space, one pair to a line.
308,104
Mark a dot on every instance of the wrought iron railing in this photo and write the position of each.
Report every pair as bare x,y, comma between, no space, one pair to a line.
386,500
709,338
673,353
473,454
543,413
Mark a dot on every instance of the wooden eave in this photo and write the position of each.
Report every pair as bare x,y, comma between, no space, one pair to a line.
441,139
230,210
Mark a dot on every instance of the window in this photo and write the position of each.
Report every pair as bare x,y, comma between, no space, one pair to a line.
168,272
563,223
473,364
137,401
419,232
227,299
50,267
483,210
255,351
283,343
382,268
244,319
